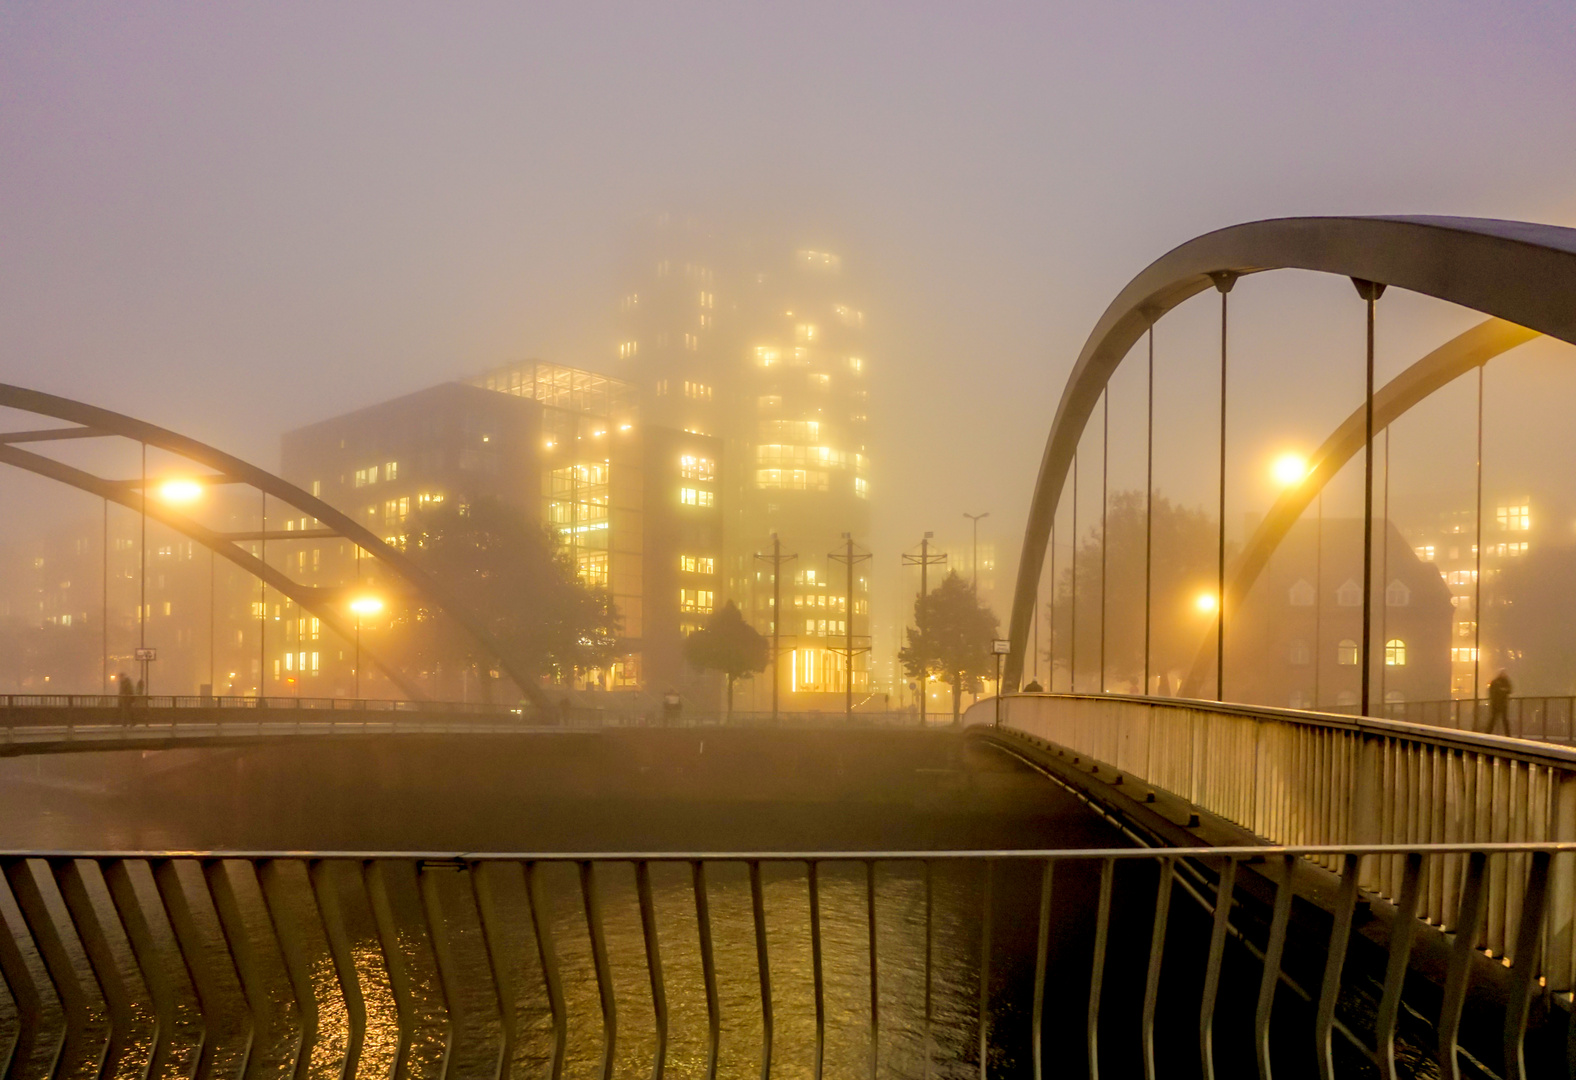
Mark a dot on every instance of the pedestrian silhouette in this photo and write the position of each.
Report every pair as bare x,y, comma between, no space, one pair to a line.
672,706
124,692
1499,703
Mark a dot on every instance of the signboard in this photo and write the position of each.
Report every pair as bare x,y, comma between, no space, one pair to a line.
1001,646
146,654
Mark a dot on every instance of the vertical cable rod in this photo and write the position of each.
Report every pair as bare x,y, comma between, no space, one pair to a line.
1224,280
1370,292
1072,619
1105,507
1477,555
1149,508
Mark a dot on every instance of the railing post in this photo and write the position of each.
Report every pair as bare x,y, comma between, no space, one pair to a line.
1367,787
1559,964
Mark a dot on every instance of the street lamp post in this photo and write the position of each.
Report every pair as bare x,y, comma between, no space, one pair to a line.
362,605
975,518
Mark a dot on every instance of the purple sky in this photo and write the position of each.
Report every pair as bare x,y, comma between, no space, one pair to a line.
236,220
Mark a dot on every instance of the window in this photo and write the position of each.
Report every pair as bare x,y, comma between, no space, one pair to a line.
662,388
1346,652
696,497
693,467
696,600
1395,653
697,564
698,391
1396,594
317,489
849,316
1425,553
691,342
766,356
820,380
1514,518
391,469
1463,655
627,349
855,364
805,333
793,479
1298,653
1461,577
861,487
1301,594
1349,595
366,476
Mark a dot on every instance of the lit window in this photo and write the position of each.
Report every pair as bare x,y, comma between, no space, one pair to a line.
1350,594
820,381
693,467
1514,518
697,497
793,479
391,469
662,388
626,349
861,487
1396,594
1425,553
1462,577
1395,653
317,489
698,391
691,342
848,316
1346,652
1301,594
1463,655
687,563
766,356
805,333
698,601
366,476
855,364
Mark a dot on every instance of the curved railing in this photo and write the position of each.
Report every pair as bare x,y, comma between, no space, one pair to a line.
1317,779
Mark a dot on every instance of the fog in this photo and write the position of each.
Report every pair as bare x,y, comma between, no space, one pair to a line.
236,222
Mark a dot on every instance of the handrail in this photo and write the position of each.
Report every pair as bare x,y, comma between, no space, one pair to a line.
462,950
1315,779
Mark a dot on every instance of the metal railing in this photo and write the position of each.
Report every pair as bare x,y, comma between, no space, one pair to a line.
847,963
1546,719
1304,778
195,701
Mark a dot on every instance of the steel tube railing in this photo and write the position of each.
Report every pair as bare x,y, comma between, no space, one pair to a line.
96,950
1307,778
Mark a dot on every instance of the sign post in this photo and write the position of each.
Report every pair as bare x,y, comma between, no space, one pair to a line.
1001,647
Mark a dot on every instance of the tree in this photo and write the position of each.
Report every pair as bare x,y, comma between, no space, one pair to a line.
1527,623
727,644
1183,567
515,580
950,638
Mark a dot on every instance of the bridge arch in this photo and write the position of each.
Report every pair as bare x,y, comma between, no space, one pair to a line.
1477,263
95,422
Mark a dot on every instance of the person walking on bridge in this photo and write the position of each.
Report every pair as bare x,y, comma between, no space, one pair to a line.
124,693
1499,704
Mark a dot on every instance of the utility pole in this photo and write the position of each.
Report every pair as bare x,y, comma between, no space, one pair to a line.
924,560
848,557
975,518
776,560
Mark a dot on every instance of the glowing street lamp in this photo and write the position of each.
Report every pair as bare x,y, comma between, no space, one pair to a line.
1206,603
1289,470
180,492
362,606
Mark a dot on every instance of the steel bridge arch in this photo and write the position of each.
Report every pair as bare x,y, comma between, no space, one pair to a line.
94,422
1519,272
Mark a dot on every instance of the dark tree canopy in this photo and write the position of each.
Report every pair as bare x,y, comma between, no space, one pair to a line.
950,638
728,644
522,586
1183,567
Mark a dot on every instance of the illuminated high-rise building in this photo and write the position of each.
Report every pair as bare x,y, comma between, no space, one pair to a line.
763,347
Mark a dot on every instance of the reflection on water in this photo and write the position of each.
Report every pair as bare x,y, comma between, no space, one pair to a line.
900,942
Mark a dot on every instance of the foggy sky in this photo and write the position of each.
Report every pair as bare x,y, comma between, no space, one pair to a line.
234,222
